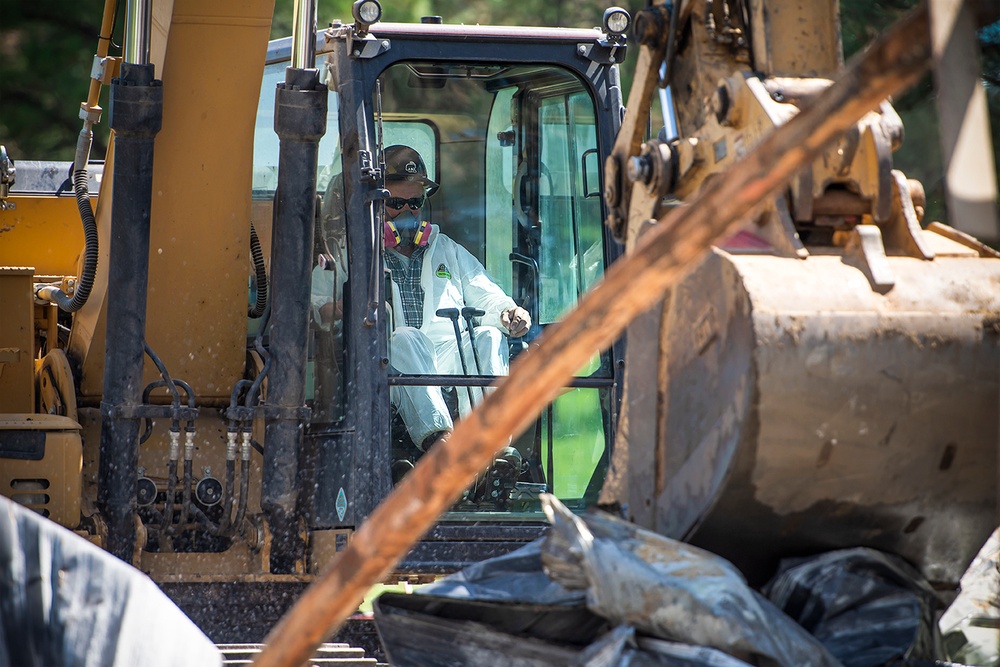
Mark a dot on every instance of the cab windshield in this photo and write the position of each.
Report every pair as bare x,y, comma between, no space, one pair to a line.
513,151
515,222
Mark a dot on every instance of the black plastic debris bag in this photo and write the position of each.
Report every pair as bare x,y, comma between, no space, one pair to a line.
429,631
504,610
610,595
671,590
866,607
432,631
513,577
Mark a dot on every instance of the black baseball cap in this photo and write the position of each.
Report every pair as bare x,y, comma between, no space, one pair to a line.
402,163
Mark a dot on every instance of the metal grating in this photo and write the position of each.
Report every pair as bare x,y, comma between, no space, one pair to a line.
341,655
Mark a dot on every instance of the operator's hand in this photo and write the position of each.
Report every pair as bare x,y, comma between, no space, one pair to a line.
331,311
516,320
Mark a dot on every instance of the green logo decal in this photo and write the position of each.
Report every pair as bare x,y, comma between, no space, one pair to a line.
442,271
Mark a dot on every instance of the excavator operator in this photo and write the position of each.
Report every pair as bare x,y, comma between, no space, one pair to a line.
432,273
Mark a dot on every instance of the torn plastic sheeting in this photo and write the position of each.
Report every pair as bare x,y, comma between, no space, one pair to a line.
65,601
971,625
428,631
563,624
866,607
506,610
622,648
514,577
671,590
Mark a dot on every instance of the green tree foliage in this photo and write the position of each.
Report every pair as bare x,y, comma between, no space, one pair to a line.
46,52
47,48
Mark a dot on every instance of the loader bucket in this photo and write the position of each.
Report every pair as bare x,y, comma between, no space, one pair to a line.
802,410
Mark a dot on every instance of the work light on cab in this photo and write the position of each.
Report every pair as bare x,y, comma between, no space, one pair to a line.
366,12
616,20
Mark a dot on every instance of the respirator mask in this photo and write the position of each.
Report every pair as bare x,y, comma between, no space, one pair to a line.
407,228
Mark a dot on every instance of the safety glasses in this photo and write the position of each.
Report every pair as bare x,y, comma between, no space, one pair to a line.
397,203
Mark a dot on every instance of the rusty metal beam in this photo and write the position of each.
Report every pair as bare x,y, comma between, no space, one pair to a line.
631,286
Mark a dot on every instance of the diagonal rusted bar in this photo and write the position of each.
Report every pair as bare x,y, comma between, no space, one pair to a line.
630,287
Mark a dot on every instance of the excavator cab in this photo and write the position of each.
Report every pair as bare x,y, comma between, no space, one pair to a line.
515,136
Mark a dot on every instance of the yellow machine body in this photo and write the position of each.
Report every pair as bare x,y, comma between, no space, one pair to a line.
17,341
210,58
199,224
28,231
43,460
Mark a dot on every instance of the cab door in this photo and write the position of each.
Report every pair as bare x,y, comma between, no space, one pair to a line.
516,150
516,147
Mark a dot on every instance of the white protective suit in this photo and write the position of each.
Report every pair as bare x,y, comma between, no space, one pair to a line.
452,277
424,409
326,297
328,287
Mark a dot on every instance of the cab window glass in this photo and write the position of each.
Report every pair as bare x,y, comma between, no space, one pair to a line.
572,256
517,227
325,377
417,134
499,179
266,144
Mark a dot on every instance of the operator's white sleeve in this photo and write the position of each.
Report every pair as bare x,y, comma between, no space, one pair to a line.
453,278
323,291
328,285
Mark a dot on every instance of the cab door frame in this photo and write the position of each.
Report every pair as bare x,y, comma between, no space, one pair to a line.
351,469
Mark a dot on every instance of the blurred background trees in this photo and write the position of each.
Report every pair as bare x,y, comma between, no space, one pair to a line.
46,49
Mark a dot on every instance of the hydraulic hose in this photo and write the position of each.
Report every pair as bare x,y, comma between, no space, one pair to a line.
189,429
230,485
260,272
90,253
234,400
168,505
82,292
227,526
172,384
168,382
227,510
251,398
244,481
166,524
204,520
188,477
237,429
91,114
